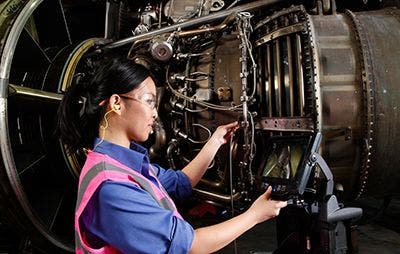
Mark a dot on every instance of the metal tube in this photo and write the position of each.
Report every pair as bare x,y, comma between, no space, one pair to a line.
216,196
219,27
278,77
300,81
15,90
196,21
290,66
270,87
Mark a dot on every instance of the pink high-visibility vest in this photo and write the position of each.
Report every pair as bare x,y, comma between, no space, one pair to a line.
99,168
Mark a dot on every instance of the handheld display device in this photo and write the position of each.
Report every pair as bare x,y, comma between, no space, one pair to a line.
286,169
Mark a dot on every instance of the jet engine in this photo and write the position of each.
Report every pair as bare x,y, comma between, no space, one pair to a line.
285,70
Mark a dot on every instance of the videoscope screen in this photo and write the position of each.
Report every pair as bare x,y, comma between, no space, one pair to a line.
285,158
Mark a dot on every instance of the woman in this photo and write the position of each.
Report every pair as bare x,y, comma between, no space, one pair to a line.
122,204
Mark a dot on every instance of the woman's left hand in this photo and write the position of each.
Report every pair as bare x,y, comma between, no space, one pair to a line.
224,132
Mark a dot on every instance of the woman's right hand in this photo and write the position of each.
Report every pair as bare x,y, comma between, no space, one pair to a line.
265,208
213,238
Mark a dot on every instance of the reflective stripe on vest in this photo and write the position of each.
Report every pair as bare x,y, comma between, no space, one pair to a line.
99,168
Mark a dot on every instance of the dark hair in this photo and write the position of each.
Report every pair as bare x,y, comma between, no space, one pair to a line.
79,114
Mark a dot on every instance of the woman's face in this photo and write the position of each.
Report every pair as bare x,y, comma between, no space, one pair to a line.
139,111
